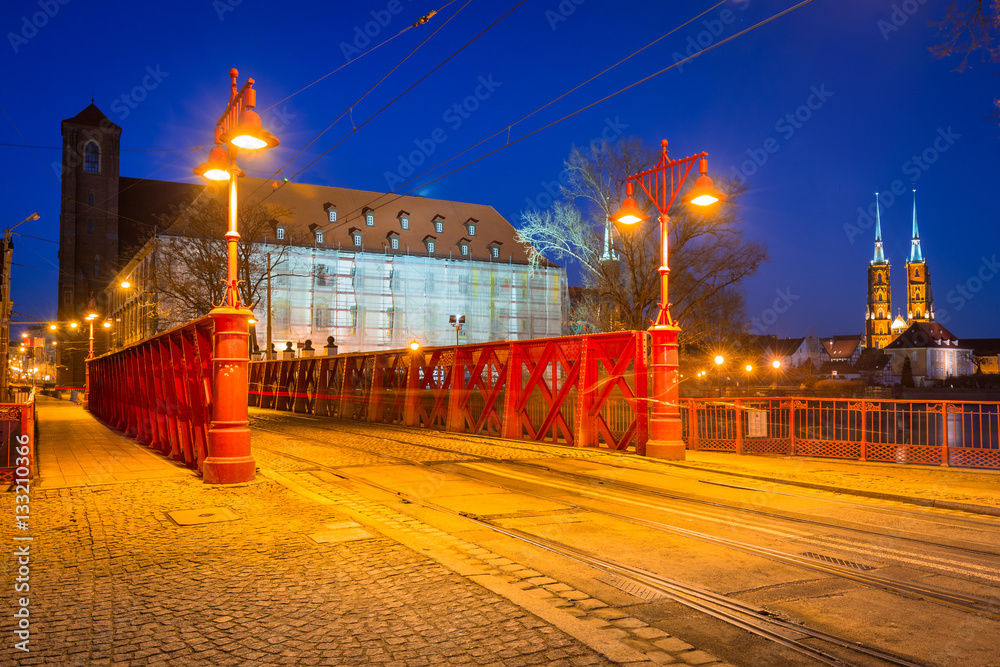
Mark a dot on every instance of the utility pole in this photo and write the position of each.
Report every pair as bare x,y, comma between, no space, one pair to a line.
5,310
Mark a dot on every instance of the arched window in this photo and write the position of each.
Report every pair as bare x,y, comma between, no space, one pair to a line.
92,158
97,266
90,200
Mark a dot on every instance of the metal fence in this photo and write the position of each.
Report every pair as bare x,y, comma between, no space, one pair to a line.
586,391
17,419
159,391
965,433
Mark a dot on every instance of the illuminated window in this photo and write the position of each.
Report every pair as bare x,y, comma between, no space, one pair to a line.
92,158
430,246
357,239
281,233
438,226
465,249
394,242
495,251
404,223
370,219
333,215
472,230
319,236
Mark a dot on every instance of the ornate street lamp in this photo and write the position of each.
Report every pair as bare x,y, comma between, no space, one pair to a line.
661,184
229,460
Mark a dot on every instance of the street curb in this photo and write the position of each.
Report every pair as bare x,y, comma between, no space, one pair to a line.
986,510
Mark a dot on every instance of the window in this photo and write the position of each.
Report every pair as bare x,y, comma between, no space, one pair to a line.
97,266
90,226
357,239
430,246
370,219
404,223
333,215
391,318
319,236
465,250
323,318
68,297
394,242
92,158
495,251
472,230
90,199
438,226
281,233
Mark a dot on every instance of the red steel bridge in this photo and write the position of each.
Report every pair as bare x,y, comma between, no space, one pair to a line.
582,391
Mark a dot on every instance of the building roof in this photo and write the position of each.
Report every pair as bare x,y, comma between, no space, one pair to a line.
144,206
871,361
984,347
310,206
925,335
841,347
843,367
90,116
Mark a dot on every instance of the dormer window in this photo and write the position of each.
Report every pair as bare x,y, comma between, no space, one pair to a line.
494,252
280,232
470,225
319,236
465,249
394,243
429,242
332,214
404,219
370,219
439,226
472,230
430,246
357,238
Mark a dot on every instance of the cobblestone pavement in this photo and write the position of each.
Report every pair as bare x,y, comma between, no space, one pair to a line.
289,569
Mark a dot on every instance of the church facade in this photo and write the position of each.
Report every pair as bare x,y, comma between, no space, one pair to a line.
880,327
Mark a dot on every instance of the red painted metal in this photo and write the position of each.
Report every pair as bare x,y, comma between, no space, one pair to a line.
17,419
960,433
162,391
586,391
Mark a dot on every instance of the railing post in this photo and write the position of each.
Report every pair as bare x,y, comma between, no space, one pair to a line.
692,443
513,387
739,426
456,390
229,460
412,398
641,394
791,427
586,386
864,431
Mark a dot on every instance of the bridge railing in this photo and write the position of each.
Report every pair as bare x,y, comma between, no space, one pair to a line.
960,433
160,390
587,391
17,456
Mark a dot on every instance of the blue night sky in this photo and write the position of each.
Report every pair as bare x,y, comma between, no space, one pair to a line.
844,94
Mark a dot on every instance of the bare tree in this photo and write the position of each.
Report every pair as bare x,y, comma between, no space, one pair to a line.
965,31
709,256
192,257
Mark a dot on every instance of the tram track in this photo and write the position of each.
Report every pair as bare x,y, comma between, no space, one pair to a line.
752,619
593,479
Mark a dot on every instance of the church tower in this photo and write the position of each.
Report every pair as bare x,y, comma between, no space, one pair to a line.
919,304
88,222
878,315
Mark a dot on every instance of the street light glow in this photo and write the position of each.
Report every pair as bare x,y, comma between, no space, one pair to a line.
776,364
719,360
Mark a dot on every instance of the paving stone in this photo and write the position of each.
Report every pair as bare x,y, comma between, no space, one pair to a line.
697,658
672,644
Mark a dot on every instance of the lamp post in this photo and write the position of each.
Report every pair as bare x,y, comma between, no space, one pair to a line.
5,304
229,460
749,370
90,317
776,365
661,184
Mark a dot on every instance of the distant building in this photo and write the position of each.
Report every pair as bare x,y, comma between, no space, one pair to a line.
934,353
880,329
985,354
844,348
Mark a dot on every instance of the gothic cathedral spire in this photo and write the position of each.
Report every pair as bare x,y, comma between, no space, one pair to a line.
878,316
919,303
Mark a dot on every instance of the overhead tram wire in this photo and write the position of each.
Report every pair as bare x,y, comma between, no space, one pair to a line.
556,99
411,87
350,109
423,19
574,113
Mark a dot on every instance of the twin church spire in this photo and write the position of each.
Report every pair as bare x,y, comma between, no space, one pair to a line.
879,330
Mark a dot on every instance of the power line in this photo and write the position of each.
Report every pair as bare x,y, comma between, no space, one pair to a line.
578,111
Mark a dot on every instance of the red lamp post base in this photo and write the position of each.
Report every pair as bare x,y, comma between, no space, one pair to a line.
229,460
665,430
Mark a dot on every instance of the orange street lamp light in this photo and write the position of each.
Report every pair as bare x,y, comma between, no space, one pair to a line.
662,184
414,345
229,460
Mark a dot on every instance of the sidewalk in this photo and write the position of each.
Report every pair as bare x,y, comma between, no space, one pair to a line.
976,491
134,560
